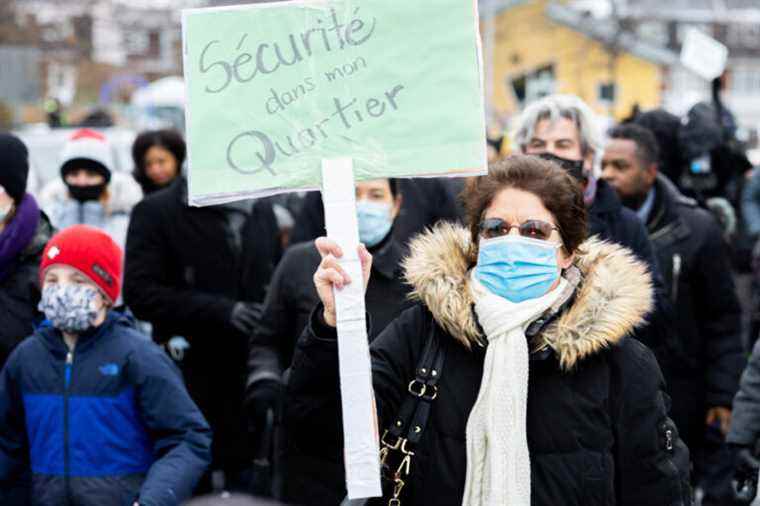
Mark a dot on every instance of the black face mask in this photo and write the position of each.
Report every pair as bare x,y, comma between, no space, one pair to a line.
574,167
86,193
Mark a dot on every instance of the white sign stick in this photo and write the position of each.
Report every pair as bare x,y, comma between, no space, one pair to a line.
360,433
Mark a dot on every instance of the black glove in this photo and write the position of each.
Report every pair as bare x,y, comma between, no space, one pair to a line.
263,396
245,316
746,467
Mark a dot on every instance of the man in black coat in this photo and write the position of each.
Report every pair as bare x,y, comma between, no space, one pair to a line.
703,371
289,303
426,201
563,129
198,274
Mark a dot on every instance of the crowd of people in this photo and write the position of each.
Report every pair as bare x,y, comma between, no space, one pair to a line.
564,330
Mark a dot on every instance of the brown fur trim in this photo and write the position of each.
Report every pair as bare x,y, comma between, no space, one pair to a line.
615,296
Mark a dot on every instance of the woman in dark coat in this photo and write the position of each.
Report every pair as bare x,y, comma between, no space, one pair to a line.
543,399
158,156
24,231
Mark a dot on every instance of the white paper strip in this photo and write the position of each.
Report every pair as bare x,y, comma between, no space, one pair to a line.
360,433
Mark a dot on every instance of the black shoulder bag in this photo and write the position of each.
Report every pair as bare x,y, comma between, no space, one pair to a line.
400,440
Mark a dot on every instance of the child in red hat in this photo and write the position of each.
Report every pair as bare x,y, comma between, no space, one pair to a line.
96,412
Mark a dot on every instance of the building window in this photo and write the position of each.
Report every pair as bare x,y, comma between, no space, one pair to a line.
745,80
654,31
533,85
154,44
606,93
136,41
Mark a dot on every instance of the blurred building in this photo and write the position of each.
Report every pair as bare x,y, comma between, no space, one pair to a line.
735,23
535,48
87,52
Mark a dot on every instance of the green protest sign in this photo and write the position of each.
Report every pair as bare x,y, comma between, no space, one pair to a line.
275,88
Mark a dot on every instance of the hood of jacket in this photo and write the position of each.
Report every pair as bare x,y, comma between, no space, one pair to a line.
613,297
124,193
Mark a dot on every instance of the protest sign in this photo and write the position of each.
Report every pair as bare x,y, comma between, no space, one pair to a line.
273,89
703,55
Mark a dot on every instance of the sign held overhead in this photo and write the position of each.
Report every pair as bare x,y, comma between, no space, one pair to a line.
273,89
703,55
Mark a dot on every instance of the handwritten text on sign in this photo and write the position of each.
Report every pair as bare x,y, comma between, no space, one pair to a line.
275,88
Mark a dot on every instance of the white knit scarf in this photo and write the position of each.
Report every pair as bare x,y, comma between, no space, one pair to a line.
498,461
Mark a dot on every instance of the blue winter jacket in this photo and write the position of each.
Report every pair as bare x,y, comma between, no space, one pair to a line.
107,424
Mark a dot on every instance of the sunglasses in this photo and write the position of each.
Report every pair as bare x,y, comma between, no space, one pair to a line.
535,229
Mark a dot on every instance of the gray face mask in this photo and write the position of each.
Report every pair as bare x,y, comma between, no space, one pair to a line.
70,307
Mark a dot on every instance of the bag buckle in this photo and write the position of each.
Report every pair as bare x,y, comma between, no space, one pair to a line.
403,448
398,485
420,389
405,466
394,446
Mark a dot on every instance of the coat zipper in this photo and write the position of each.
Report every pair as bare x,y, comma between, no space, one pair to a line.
66,456
669,449
662,232
676,276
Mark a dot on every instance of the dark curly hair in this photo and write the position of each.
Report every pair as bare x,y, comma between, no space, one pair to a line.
170,140
558,191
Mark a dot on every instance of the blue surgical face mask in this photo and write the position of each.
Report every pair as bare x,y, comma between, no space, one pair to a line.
517,268
374,221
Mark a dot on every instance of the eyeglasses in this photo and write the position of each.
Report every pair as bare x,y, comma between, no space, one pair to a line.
535,229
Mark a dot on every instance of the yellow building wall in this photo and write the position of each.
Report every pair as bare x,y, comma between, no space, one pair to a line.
525,39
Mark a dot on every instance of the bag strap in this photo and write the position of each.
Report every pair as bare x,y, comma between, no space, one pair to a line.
422,390
408,426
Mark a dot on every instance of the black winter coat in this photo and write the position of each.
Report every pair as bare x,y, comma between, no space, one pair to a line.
289,303
704,369
611,221
424,202
598,429
292,296
184,273
20,292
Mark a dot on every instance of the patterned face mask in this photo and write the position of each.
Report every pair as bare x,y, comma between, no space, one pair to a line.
70,307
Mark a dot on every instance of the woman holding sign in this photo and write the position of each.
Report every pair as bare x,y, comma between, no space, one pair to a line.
513,381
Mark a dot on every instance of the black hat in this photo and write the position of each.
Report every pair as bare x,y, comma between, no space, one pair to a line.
14,166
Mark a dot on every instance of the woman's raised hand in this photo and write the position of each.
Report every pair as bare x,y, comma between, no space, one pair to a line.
331,275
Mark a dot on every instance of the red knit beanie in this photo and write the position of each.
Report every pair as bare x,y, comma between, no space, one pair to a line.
90,251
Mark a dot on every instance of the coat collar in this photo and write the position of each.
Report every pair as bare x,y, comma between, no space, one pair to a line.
665,211
606,200
53,338
387,256
613,295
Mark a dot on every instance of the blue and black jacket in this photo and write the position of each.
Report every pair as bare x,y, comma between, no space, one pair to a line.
107,424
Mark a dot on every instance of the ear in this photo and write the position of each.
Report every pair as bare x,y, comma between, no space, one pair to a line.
650,173
565,260
588,161
396,206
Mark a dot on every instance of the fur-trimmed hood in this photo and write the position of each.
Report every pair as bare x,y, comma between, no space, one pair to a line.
613,297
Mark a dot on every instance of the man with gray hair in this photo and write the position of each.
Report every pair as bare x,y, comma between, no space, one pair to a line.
563,129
